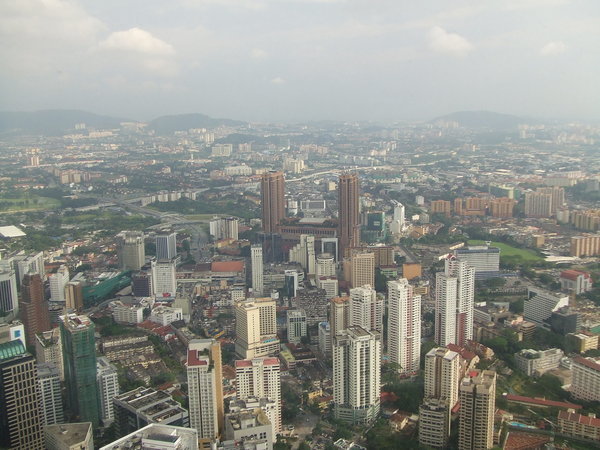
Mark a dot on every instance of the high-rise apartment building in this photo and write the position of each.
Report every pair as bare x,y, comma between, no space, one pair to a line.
586,379
74,296
325,265
108,388
49,394
20,422
483,258
588,245
166,246
538,204
454,302
34,307
349,214
272,190
356,375
48,349
362,269
205,387
58,281
440,207
224,228
261,378
164,278
79,357
434,423
502,207
130,250
557,196
442,375
256,328
256,259
477,407
304,253
366,309
9,304
339,314
32,263
296,325
404,326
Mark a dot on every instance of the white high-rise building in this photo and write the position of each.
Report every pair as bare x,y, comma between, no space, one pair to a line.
8,292
339,314
398,221
325,265
404,326
166,246
477,407
540,304
224,228
58,281
366,308
304,253
356,375
256,328
48,349
49,394
296,325
108,388
330,285
260,378
130,250
205,387
164,279
256,257
454,302
32,264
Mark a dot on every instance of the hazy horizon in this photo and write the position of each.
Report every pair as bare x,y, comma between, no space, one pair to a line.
302,60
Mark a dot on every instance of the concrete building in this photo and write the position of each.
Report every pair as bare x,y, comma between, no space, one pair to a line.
303,253
108,388
442,375
314,303
578,425
224,228
325,265
74,296
440,207
272,191
260,378
296,325
454,303
20,422
165,315
434,423
256,328
32,263
325,338
130,250
205,387
557,197
166,246
164,279
249,428
49,394
362,269
9,301
69,436
12,330
330,285
502,207
575,281
339,314
128,314
483,258
404,326
366,308
356,375
477,408
538,204
540,304
348,213
586,379
48,349
58,281
157,437
256,257
33,307
536,362
588,245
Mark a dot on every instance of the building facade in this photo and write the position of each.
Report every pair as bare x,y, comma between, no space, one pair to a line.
272,190
349,213
477,408
404,326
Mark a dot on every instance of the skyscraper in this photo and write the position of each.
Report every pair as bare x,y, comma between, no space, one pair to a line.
34,307
166,246
362,269
477,406
256,257
49,394
349,214
205,387
454,302
130,250
48,349
272,190
260,378
79,357
58,281
74,295
256,328
304,253
164,278
108,388
404,326
339,314
356,375
20,422
8,292
366,309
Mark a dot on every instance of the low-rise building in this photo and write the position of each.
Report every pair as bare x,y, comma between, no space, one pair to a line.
249,427
586,379
164,315
534,362
128,314
157,436
69,436
540,304
575,424
583,341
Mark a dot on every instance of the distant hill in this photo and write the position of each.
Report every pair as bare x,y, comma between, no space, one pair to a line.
52,121
484,119
183,122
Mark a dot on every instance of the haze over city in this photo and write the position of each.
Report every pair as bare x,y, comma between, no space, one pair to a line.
298,60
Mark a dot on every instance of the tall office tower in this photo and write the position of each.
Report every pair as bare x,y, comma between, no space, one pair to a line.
256,328
366,309
32,263
339,314
166,246
130,250
272,191
49,394
260,378
538,204
48,349
34,307
79,357
483,258
330,285
205,387
356,375
362,269
557,196
325,265
477,406
141,284
58,281
399,212
74,296
108,388
304,253
454,302
256,258
290,283
404,326
164,278
9,304
296,325
349,214
330,245
20,424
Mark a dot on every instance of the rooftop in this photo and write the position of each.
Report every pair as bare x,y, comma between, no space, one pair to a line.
69,434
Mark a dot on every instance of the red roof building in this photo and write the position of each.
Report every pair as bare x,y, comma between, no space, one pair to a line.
575,424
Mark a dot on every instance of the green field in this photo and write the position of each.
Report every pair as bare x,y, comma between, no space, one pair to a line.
510,251
27,203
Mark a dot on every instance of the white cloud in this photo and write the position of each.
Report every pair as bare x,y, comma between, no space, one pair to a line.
138,41
553,48
258,53
443,41
278,80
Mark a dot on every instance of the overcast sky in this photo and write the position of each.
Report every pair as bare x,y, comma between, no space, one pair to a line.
269,60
